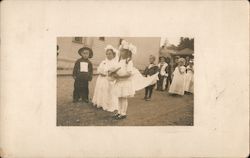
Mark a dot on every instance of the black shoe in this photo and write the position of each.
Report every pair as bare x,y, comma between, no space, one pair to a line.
85,100
115,115
119,117
75,101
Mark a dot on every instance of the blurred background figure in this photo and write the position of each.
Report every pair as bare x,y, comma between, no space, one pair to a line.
161,83
189,79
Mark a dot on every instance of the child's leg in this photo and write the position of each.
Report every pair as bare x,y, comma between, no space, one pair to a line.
85,91
76,95
151,90
158,84
168,83
146,92
119,105
124,106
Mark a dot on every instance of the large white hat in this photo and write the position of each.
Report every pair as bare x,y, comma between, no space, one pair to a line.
129,46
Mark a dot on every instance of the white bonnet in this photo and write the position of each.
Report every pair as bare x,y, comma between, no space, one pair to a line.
111,47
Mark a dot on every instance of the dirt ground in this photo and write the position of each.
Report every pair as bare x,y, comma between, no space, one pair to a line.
162,110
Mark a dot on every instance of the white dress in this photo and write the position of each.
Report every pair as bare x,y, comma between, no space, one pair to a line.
103,96
189,80
128,86
124,86
164,74
140,82
178,84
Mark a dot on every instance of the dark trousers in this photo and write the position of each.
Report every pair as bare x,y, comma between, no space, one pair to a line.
160,83
149,91
81,90
169,81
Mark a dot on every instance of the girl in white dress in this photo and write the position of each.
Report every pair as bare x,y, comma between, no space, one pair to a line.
103,96
128,79
123,86
189,78
178,84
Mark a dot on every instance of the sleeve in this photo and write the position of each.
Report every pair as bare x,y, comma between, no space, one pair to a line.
101,68
75,69
183,69
157,69
145,71
166,69
90,71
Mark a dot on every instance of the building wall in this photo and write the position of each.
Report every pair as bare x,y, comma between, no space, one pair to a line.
69,50
145,47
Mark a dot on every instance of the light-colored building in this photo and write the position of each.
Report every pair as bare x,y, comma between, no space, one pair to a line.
69,46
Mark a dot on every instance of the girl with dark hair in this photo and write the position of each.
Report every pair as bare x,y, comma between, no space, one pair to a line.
103,97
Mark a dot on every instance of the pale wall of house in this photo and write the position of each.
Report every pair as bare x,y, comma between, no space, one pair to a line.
145,47
69,50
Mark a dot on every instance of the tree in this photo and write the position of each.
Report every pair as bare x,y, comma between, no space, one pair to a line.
186,42
172,47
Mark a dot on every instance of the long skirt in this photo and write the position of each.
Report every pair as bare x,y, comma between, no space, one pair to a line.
178,84
103,94
189,82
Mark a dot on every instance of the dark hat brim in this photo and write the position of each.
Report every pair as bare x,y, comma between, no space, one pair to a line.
86,48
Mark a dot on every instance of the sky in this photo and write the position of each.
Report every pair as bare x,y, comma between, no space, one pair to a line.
171,40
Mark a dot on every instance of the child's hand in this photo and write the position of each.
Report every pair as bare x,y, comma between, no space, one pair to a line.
115,76
74,77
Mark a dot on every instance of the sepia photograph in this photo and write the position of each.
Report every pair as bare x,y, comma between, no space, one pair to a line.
125,81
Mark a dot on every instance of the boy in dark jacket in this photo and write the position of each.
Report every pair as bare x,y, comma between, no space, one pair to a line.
82,73
149,71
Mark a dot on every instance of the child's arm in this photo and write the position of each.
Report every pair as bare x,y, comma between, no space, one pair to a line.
90,71
145,71
75,69
157,69
112,72
102,69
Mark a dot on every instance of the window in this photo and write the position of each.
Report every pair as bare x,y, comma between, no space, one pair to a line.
102,38
120,41
77,40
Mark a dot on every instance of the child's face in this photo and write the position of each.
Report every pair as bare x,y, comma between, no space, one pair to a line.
181,63
176,60
85,54
123,54
162,60
151,60
109,54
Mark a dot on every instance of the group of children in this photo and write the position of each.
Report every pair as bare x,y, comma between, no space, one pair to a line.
118,79
179,82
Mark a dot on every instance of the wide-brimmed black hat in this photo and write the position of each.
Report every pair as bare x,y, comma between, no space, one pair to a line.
86,48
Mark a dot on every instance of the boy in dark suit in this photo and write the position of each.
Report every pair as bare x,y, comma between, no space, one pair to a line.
82,73
149,71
